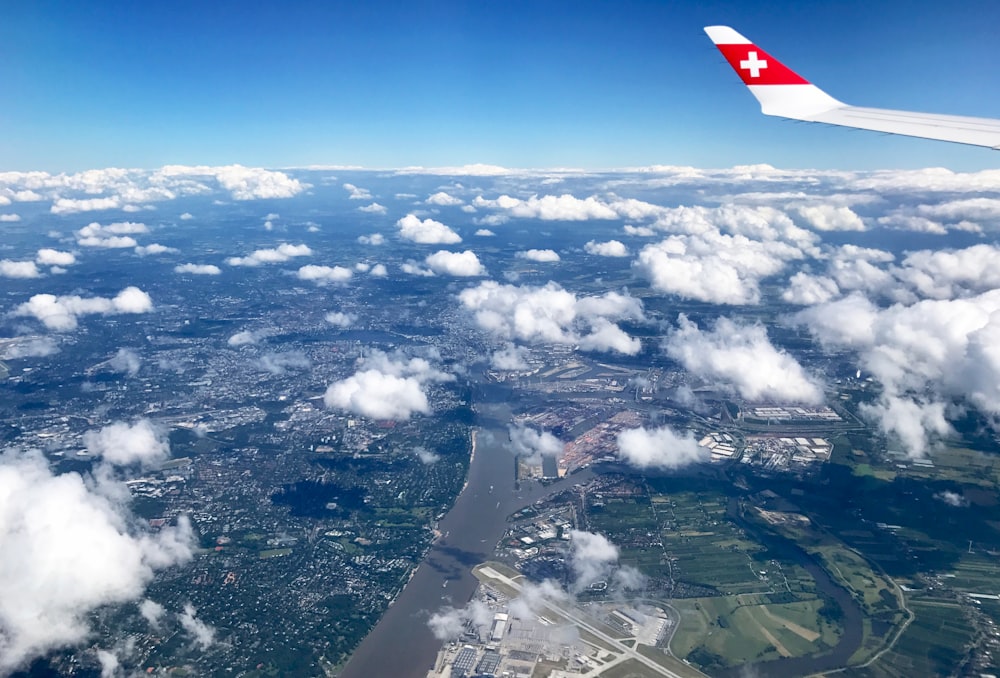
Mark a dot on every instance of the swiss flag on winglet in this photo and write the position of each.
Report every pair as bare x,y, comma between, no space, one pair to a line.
757,67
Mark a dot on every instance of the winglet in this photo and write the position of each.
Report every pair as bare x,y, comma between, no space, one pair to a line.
779,89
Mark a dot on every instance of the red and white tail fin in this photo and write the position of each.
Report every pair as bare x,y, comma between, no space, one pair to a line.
779,89
784,93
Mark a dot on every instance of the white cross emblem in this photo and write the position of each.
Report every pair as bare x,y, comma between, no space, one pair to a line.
753,64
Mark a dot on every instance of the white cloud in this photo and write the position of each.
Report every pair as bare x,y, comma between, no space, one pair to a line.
444,200
154,248
374,208
325,274
427,231
281,363
50,257
186,216
110,242
373,239
198,269
463,264
35,347
952,498
7,218
18,269
532,445
378,271
280,254
714,267
484,233
449,623
659,448
152,612
62,313
539,255
611,248
743,358
244,338
805,289
243,183
510,357
355,193
831,217
74,205
426,456
550,207
387,387
551,314
375,395
591,558
338,319
126,361
202,635
123,444
68,547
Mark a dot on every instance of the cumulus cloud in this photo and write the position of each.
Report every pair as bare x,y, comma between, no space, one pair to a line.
462,264
659,448
426,456
34,347
449,623
742,357
114,235
924,355
532,445
426,231
545,256
551,314
155,248
202,635
198,269
62,313
714,267
386,387
831,217
127,361
611,248
243,183
806,290
325,274
355,193
444,200
282,253
152,612
591,558
245,338
373,239
374,208
281,363
484,233
510,357
550,207
18,269
952,498
50,257
378,271
124,444
339,319
78,534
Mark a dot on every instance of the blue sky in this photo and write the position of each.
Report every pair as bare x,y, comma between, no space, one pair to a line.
520,84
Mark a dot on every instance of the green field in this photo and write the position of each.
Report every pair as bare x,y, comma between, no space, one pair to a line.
931,646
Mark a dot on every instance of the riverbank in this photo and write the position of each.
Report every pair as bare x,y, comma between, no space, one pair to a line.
401,644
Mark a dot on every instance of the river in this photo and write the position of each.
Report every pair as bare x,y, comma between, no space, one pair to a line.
401,644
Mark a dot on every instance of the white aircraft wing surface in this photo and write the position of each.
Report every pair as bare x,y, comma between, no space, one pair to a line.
783,93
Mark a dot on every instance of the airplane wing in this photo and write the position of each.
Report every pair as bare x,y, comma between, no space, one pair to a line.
783,93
